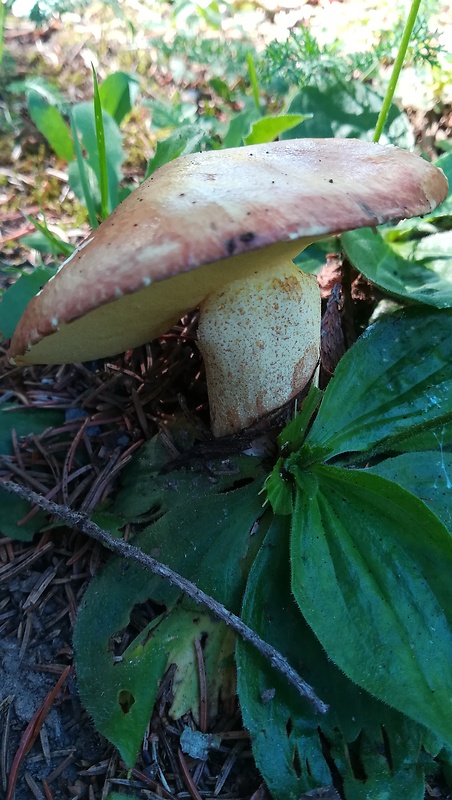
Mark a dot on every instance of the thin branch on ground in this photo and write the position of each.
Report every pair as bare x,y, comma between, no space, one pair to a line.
81,522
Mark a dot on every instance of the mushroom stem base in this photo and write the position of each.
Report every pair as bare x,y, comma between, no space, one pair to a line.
260,340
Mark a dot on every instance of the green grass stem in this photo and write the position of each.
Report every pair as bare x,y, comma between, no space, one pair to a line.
398,64
253,80
59,247
101,149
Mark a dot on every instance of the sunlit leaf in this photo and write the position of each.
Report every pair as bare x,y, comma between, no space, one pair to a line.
118,93
424,280
185,140
347,110
240,126
51,124
267,129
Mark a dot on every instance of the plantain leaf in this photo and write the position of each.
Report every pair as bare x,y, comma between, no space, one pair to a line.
372,561
428,475
194,523
393,383
365,747
423,279
439,437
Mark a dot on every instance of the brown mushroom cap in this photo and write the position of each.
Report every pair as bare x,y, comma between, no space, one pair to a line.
185,231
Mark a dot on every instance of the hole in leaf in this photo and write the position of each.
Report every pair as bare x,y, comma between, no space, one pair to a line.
148,518
336,777
238,484
387,748
289,727
140,616
354,752
296,762
125,700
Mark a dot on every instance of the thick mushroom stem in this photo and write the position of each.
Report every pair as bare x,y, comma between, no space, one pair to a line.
260,340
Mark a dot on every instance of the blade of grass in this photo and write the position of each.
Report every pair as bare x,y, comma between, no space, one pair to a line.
101,149
253,80
83,179
57,244
398,64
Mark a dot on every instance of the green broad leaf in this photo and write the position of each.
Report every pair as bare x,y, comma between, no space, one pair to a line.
428,475
371,561
118,93
240,126
122,708
267,129
192,522
222,89
314,257
432,439
24,421
371,750
436,252
17,297
51,124
429,222
347,110
108,522
445,209
185,140
393,383
425,280
84,120
14,509
39,84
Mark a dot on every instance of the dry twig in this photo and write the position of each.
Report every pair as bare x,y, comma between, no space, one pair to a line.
79,521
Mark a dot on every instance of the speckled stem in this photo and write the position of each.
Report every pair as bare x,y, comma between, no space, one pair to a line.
260,340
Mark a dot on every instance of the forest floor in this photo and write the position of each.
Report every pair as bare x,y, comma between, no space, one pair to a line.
42,581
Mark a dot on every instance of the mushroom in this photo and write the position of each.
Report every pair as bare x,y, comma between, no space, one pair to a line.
219,230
